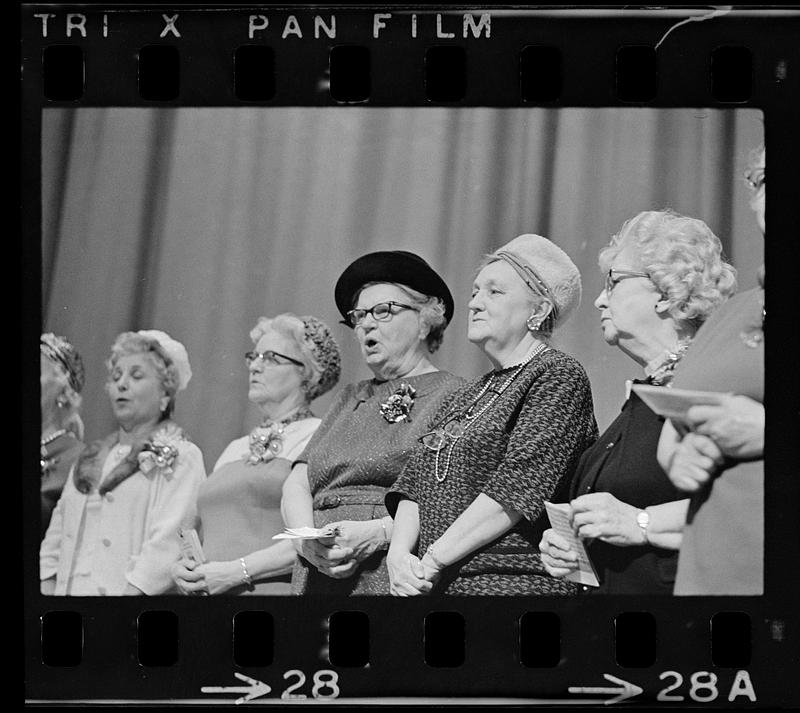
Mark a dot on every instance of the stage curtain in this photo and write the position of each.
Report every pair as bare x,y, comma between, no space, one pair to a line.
198,220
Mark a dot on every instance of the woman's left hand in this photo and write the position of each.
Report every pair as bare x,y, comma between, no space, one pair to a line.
736,426
601,516
694,462
364,537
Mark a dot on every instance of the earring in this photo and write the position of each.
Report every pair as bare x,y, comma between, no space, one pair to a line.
61,402
533,323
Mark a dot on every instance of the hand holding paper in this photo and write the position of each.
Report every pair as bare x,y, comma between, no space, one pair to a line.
306,533
560,518
674,404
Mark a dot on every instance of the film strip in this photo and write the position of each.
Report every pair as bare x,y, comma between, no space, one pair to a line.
152,139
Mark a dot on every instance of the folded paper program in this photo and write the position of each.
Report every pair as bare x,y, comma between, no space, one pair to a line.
306,533
560,519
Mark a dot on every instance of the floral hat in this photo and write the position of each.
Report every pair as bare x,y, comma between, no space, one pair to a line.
62,353
325,353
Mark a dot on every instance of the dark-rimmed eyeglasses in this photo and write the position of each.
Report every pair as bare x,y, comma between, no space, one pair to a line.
453,428
381,312
614,276
270,358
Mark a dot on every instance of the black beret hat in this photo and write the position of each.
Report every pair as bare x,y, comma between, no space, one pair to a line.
398,266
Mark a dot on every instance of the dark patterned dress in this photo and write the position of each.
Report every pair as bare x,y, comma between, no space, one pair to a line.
353,458
519,452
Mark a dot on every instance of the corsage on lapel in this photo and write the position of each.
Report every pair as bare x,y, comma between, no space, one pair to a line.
398,406
156,453
265,443
160,450
266,440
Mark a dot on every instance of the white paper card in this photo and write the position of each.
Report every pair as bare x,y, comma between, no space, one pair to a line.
674,403
190,545
559,514
306,533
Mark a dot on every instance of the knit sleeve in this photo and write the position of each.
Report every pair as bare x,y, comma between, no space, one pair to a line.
406,486
555,424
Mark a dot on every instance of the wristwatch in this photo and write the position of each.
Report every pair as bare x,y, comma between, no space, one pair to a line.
643,520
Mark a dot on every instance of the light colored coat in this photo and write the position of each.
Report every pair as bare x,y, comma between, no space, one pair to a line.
136,538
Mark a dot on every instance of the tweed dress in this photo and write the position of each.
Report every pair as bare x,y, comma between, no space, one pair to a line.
520,452
353,458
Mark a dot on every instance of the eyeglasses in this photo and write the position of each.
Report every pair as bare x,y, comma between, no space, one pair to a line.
756,178
271,358
456,425
381,312
614,276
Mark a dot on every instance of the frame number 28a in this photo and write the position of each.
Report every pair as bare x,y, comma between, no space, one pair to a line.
703,687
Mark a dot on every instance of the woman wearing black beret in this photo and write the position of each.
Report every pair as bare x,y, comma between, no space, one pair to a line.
398,307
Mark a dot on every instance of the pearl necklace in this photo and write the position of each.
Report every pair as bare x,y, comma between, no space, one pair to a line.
469,418
52,437
45,461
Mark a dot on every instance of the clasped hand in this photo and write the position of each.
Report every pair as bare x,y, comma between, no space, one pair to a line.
736,426
338,557
410,576
598,516
732,429
193,578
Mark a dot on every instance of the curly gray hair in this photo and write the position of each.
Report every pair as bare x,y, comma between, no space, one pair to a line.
322,362
683,258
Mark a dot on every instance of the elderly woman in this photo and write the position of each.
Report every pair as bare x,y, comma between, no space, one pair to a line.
720,461
114,530
664,276
61,379
398,307
295,361
471,499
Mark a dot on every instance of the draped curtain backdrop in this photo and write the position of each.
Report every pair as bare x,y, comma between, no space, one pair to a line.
198,221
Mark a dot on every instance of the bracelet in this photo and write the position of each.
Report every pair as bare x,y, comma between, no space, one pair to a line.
436,560
385,534
245,574
643,520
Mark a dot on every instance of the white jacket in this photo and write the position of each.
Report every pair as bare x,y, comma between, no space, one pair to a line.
137,540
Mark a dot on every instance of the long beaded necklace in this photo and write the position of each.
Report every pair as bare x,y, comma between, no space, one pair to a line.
469,418
266,440
45,461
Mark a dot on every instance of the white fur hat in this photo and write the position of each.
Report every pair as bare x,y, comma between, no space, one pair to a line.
175,351
552,266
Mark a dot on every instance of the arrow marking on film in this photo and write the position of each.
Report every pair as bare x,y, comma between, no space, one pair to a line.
256,689
627,690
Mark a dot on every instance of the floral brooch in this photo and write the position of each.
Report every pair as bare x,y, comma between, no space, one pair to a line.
398,406
265,443
160,450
